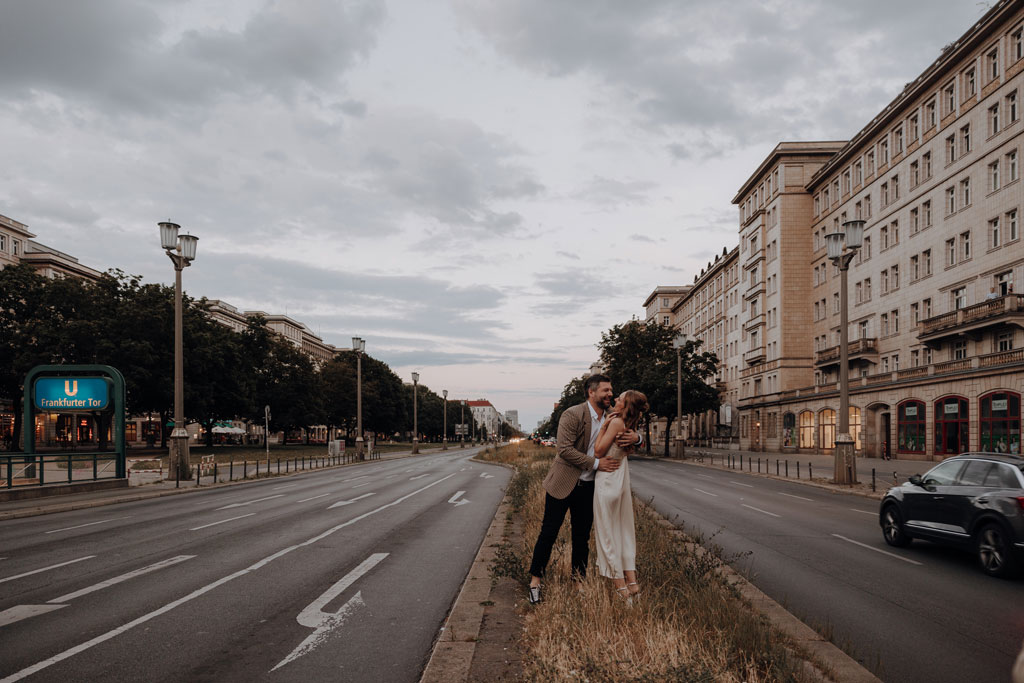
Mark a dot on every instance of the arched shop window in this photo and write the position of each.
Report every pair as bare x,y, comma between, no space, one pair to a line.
999,424
910,427
951,425
855,426
807,429
827,418
788,430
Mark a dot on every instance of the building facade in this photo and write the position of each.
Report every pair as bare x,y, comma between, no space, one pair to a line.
936,327
659,303
485,415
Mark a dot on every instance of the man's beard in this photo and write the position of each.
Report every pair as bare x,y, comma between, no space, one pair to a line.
606,402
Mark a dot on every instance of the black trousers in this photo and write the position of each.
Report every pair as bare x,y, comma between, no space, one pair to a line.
580,505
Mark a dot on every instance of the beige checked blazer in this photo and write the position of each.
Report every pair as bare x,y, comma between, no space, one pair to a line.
571,444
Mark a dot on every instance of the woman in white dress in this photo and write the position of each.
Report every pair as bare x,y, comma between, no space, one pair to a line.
613,500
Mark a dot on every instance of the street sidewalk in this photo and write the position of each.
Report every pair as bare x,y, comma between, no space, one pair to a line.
77,501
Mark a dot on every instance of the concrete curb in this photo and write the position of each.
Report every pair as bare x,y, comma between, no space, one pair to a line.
191,488
839,665
452,656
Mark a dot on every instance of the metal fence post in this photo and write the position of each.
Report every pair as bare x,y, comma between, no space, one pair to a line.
787,468
797,469
810,471
872,478
231,470
245,469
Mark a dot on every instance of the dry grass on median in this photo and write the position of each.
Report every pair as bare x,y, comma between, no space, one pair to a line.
688,625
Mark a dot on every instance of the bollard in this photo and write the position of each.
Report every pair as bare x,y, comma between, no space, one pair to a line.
279,465
245,469
749,466
776,467
199,474
797,469
177,475
215,471
231,470
872,478
787,468
759,465
810,472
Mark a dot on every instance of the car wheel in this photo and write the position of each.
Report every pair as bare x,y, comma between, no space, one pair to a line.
892,528
995,554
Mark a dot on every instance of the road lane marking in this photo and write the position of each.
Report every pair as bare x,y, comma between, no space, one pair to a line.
102,638
46,569
322,622
349,502
69,528
760,510
865,512
418,477
707,476
790,495
486,476
706,493
230,519
365,483
286,486
878,550
455,498
313,498
123,577
739,484
9,616
249,502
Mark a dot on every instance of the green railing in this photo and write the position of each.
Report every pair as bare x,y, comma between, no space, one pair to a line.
38,469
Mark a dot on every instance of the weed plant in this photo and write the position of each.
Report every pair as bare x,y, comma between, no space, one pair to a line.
687,625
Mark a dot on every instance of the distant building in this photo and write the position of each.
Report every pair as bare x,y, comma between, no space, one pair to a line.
485,415
658,304
512,419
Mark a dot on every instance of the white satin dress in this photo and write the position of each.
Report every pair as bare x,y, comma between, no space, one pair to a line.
614,530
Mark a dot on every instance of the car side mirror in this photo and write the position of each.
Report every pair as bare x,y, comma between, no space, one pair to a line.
915,479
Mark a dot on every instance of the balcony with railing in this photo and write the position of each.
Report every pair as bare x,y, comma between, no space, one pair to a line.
863,350
754,356
1003,310
754,322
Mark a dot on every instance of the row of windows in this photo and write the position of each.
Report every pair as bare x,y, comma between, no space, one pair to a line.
998,424
9,245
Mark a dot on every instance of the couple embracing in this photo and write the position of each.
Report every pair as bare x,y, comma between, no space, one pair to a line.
589,479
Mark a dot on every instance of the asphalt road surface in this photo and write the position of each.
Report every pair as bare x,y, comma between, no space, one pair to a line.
923,613
341,574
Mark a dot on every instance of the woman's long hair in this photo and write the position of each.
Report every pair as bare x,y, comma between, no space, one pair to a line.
635,405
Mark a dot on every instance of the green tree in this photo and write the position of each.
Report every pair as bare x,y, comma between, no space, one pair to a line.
573,394
640,355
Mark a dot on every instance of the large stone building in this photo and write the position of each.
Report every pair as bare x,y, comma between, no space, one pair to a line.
659,303
485,415
936,357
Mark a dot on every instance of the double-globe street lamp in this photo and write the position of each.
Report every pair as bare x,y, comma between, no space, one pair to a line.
444,421
182,251
679,343
358,347
415,423
842,246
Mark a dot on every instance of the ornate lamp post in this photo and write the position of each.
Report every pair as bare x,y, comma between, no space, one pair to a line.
415,422
842,246
462,424
358,347
679,343
182,251
444,418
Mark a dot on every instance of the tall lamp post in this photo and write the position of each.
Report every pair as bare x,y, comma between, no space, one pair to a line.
462,424
415,422
842,246
182,251
359,346
444,436
679,343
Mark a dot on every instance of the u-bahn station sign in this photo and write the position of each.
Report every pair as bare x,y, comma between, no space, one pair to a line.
68,394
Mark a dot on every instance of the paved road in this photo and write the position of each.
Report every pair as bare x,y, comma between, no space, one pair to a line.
918,614
343,574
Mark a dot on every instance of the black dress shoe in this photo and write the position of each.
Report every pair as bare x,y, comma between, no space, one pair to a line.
534,595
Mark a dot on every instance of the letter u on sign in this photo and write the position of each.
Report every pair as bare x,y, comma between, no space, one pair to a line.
71,387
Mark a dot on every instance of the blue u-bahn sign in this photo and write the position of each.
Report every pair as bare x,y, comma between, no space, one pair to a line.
69,394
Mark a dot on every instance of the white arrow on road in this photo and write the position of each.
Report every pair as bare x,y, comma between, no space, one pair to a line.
250,502
455,499
486,476
349,502
314,617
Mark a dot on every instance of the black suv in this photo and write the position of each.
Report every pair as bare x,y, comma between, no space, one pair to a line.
973,501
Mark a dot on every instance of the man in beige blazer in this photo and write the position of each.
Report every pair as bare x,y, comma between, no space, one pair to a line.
569,485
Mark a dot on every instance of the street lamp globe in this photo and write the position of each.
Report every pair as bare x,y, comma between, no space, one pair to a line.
357,344
680,341
415,377
834,244
854,233
168,235
444,392
188,246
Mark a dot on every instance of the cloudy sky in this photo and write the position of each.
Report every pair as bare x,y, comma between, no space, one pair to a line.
477,187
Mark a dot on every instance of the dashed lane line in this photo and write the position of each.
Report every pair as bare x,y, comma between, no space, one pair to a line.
740,484
706,493
69,528
790,495
313,498
865,512
250,502
760,510
46,569
230,519
878,550
123,577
